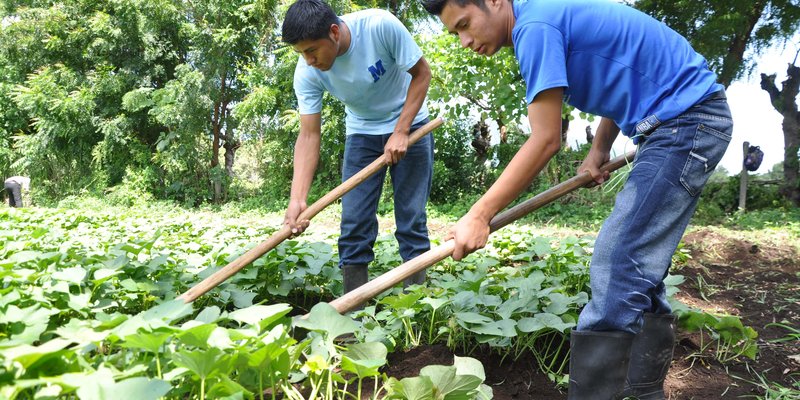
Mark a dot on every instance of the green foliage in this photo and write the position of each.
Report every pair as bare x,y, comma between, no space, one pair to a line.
720,199
470,84
86,308
730,34
120,84
729,338
457,172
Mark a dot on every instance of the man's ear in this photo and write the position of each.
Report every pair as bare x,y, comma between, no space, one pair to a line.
334,32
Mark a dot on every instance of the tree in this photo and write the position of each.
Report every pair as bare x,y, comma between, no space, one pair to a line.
729,33
785,102
65,69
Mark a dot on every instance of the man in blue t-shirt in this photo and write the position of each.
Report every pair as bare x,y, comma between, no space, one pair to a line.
646,81
370,62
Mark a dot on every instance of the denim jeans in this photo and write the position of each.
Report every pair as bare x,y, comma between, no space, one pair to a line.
411,182
14,192
634,248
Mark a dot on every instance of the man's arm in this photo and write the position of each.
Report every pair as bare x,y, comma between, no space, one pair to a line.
600,151
544,114
306,158
397,144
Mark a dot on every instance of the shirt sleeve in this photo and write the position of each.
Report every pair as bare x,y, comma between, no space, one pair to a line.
398,42
308,90
542,55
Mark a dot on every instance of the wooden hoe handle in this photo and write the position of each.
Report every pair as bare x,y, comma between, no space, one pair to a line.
380,284
285,232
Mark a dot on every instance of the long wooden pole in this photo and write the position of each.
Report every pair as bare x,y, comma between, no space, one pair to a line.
286,232
380,284
743,178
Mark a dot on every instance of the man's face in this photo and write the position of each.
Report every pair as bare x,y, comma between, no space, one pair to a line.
478,29
320,53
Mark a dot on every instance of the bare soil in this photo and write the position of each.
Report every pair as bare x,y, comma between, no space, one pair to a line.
753,276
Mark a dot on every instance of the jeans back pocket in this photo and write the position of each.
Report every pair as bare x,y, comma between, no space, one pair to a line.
708,148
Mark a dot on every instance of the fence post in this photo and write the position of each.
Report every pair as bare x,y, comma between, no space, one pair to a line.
743,178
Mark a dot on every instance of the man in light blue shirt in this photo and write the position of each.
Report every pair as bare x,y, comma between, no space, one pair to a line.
370,62
647,82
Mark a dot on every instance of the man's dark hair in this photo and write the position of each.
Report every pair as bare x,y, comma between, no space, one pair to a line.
308,20
435,6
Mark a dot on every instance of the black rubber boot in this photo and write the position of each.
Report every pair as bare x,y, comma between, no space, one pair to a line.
353,276
598,364
651,356
416,279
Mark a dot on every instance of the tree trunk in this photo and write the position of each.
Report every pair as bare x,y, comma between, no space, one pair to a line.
730,64
216,128
785,102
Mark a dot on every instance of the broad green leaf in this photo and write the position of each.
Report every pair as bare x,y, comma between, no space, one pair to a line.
168,311
261,316
139,388
469,366
79,302
27,355
472,318
220,338
435,303
11,297
515,305
208,315
103,274
543,321
449,385
364,359
324,318
28,315
204,363
150,341
72,275
242,299
20,258
402,301
541,246
227,389
504,328
197,336
81,332
559,304
416,388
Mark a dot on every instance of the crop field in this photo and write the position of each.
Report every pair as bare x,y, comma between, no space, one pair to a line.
88,310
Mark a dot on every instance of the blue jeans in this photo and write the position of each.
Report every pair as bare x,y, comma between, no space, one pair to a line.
634,248
411,181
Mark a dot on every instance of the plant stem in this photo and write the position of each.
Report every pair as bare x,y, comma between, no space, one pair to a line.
261,385
158,366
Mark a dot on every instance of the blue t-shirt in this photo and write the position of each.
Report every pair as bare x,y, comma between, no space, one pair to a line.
611,60
371,78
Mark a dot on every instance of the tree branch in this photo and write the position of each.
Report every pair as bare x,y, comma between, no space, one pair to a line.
768,84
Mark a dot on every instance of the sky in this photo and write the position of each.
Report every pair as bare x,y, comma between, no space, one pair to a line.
754,118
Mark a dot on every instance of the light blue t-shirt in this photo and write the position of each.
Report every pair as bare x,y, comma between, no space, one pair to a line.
611,60
371,78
